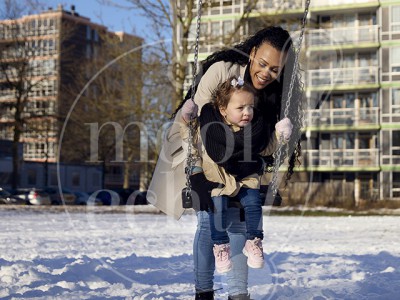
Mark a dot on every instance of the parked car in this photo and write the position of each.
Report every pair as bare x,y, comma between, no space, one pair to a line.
83,198
32,196
7,198
68,197
123,194
131,196
107,197
137,198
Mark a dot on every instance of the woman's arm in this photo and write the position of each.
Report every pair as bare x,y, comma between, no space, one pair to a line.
216,74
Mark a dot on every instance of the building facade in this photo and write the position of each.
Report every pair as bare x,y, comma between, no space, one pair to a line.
50,43
48,60
351,61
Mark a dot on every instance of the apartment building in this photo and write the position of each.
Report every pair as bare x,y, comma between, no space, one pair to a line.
48,60
351,63
52,44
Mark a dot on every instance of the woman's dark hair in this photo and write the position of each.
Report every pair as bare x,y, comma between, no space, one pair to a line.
270,99
277,37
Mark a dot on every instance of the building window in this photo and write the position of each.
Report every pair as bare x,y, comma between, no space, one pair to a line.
96,179
396,101
396,18
31,177
343,100
95,35
395,59
215,30
396,184
76,179
365,141
53,178
343,141
227,27
366,19
88,51
88,33
368,100
396,142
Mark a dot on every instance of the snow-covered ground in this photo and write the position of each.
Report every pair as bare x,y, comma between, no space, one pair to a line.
91,255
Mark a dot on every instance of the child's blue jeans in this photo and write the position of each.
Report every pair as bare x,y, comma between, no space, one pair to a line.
252,204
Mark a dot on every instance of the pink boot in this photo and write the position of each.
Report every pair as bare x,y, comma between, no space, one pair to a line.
222,256
254,252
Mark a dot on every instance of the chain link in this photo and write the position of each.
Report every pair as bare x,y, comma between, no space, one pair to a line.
189,159
278,154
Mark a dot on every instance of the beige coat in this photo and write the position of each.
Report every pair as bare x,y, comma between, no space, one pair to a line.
169,176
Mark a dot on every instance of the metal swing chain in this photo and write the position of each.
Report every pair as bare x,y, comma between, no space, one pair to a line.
278,153
189,158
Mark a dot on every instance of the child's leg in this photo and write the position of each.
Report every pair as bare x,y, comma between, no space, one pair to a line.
251,201
219,235
218,220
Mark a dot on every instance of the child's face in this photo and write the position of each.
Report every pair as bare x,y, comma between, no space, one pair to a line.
240,109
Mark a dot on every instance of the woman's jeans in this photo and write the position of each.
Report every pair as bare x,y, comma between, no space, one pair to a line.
251,202
204,263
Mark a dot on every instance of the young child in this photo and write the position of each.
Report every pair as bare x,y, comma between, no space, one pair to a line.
233,135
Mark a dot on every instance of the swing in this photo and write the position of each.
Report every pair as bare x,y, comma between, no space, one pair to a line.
187,201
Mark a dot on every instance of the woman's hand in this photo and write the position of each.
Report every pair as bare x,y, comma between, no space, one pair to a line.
189,110
284,129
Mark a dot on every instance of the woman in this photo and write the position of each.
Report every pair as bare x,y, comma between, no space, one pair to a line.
265,60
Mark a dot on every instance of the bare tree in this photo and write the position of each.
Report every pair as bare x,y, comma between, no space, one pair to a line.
173,28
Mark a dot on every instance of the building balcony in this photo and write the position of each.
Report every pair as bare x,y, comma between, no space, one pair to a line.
323,3
339,78
349,117
341,159
280,6
363,36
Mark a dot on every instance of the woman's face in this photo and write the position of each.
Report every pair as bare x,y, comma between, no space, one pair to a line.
266,65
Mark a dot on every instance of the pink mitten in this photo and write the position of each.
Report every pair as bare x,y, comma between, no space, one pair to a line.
189,110
284,129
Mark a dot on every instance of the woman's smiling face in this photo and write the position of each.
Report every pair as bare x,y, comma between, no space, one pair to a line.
266,65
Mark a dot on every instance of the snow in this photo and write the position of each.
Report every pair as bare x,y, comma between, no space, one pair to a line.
135,254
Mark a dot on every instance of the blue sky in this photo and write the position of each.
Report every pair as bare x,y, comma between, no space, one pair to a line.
114,18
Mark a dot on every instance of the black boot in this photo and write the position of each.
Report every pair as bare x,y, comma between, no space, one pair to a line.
240,297
205,295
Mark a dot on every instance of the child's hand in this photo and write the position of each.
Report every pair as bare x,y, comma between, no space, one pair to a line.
189,110
284,129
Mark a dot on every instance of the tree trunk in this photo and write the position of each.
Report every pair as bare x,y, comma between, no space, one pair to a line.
15,155
126,175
